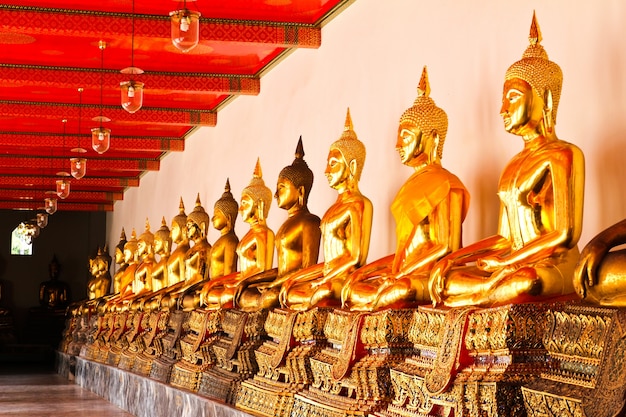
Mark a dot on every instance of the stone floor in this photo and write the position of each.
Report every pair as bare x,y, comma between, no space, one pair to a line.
36,390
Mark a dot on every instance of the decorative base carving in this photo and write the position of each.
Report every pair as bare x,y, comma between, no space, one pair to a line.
351,375
234,354
588,345
471,362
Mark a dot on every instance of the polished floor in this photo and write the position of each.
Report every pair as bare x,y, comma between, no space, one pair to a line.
36,390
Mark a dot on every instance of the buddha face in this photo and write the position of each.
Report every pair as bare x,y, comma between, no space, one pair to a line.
522,108
411,142
247,208
158,245
141,247
129,254
219,220
119,256
287,194
193,230
337,171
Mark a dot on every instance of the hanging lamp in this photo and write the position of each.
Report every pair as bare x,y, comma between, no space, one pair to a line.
101,136
50,205
132,91
185,30
63,185
42,220
78,165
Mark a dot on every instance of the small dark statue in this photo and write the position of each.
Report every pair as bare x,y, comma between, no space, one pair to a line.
53,293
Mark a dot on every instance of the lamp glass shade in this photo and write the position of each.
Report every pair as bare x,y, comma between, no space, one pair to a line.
42,220
78,167
185,29
63,188
132,95
100,139
50,205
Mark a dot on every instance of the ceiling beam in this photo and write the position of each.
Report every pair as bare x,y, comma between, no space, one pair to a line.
90,79
42,182
61,206
96,164
73,23
122,144
147,115
75,195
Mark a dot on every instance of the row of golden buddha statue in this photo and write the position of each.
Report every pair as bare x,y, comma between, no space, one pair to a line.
493,328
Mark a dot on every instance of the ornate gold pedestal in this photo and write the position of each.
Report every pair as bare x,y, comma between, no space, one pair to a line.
234,354
351,375
588,345
162,366
471,362
152,341
134,336
122,322
283,361
204,328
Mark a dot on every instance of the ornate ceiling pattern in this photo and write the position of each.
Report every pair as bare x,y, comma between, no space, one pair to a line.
50,49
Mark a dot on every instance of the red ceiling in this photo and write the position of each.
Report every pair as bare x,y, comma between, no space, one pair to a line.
48,49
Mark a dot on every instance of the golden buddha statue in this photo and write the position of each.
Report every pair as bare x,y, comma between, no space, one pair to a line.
601,271
429,210
297,240
346,227
541,202
197,258
162,248
255,250
99,284
119,260
142,282
176,260
54,294
174,272
223,259
131,259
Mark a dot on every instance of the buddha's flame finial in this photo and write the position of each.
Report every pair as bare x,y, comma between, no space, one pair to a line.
133,235
300,149
123,234
163,223
348,125
147,225
258,173
198,203
535,33
423,88
181,206
227,186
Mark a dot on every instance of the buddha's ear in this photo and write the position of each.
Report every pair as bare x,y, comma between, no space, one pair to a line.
435,149
301,195
353,168
548,105
547,100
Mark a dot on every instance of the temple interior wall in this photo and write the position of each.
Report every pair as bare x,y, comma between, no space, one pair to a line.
370,60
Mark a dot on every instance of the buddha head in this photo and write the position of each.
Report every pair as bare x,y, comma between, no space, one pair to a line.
423,127
225,210
130,248
162,239
145,243
256,198
179,225
346,156
294,182
197,221
532,87
119,249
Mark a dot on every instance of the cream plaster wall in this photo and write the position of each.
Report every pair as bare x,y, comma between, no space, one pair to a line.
371,58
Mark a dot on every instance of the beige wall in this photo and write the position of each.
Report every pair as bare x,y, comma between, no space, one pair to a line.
371,58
